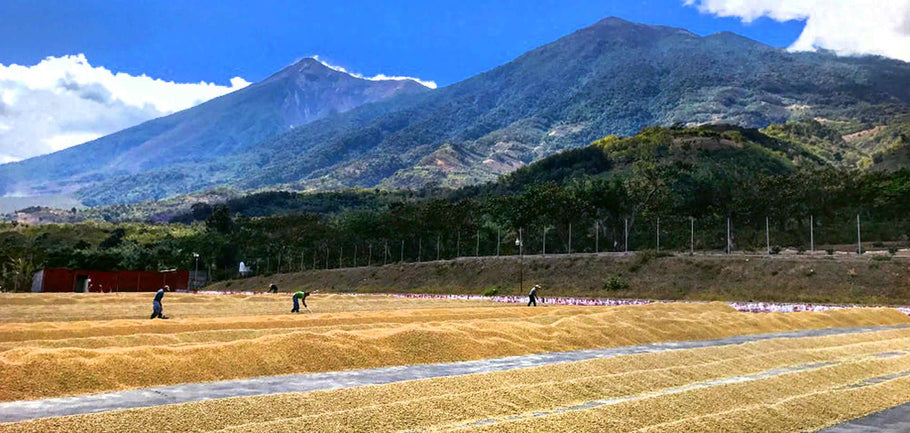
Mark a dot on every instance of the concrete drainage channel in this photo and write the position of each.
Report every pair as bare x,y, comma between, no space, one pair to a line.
156,396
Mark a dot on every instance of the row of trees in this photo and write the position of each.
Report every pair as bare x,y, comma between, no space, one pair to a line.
581,214
597,214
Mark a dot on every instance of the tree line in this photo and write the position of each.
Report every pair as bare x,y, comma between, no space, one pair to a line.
578,214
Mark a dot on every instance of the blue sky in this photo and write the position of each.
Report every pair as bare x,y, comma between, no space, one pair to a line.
444,40
72,71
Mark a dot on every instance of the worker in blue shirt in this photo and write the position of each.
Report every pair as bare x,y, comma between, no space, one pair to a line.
156,304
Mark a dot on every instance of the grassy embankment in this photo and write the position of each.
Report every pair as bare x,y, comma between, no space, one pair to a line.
817,279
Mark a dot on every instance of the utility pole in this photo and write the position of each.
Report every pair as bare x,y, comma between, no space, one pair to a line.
570,238
812,233
402,251
340,257
196,272
521,265
315,253
302,253
477,245
278,271
458,244
370,254
768,235
438,238
385,254
355,256
729,249
859,238
327,257
498,242
419,250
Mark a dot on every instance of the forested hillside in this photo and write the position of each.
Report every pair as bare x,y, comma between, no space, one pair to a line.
708,174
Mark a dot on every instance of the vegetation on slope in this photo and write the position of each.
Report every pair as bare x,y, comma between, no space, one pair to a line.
708,173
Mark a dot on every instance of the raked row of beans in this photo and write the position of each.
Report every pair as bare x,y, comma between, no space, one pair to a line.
751,307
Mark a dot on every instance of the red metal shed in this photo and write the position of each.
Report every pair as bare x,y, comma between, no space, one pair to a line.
69,280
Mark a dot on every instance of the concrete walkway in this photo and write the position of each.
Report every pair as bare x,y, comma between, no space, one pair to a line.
93,403
894,420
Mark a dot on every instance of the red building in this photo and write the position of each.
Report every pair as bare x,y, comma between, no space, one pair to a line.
68,280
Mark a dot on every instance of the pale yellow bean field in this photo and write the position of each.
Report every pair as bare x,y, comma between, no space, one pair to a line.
55,345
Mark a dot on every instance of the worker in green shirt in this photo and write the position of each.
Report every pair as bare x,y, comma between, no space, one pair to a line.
298,298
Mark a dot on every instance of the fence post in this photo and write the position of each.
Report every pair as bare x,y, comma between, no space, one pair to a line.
596,237
626,235
768,235
812,233
544,241
658,234
692,235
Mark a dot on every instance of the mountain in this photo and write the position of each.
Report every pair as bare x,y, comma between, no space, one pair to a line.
614,77
299,94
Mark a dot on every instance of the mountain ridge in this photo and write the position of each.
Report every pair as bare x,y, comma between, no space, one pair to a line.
298,94
613,77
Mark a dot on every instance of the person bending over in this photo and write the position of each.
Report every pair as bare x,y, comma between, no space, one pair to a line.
532,295
157,310
300,297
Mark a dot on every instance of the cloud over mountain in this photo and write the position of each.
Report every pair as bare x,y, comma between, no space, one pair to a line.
379,77
64,101
848,27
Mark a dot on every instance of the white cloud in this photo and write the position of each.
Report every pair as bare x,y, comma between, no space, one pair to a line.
848,27
380,77
64,101
62,141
